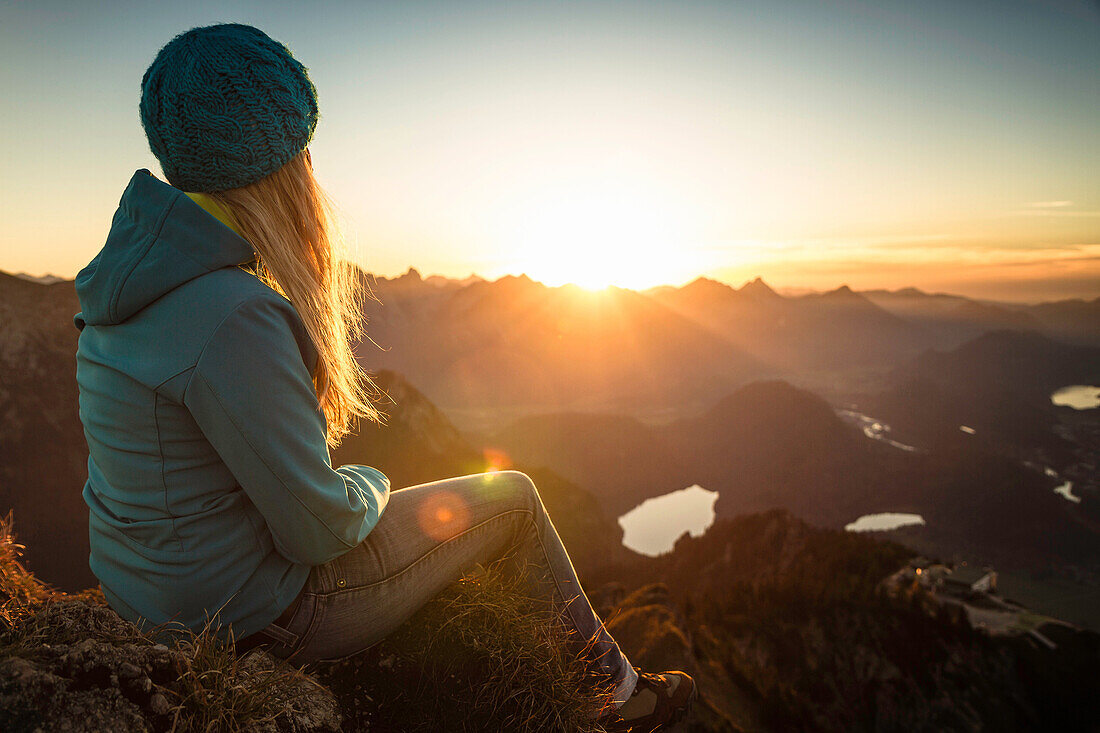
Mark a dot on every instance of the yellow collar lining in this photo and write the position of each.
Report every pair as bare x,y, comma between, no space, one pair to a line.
215,210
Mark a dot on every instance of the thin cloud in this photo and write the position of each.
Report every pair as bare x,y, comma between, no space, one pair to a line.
1055,212
1050,204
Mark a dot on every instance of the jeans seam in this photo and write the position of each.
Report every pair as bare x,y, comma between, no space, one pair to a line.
427,554
566,602
377,555
311,630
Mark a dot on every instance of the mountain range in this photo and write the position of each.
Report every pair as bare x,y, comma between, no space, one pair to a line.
610,398
689,407
484,351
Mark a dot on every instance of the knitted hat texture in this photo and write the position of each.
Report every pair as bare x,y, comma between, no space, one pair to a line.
224,106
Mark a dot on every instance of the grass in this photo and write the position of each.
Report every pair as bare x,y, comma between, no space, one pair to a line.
216,690
484,655
75,657
20,591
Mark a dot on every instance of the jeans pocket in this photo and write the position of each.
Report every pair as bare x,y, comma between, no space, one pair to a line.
301,653
298,628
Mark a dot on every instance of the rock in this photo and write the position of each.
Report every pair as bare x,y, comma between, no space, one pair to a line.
158,704
650,626
17,668
99,673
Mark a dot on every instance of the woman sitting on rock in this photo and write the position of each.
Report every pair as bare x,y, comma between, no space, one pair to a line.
216,369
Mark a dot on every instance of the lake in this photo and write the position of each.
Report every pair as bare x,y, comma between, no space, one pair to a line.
1077,396
652,527
883,522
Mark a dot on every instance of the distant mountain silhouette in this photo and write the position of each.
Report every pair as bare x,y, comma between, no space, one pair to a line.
43,455
839,329
1073,321
998,384
40,279
514,341
951,319
759,289
481,349
1025,362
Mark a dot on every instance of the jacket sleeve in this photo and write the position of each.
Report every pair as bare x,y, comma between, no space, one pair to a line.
253,398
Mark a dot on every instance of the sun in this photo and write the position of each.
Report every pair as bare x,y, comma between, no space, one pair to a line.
596,236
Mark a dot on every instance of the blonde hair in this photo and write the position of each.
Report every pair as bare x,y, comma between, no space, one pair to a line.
289,220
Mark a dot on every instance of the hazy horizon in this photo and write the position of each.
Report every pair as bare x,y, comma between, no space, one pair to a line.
944,146
786,291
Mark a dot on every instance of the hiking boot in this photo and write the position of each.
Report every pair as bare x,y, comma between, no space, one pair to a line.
658,702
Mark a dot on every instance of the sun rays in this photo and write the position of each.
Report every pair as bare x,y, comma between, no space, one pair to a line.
613,230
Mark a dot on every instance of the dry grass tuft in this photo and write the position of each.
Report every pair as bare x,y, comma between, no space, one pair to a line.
68,661
217,690
482,656
19,589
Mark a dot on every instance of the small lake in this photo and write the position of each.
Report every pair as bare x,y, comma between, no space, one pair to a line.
1077,396
883,522
652,527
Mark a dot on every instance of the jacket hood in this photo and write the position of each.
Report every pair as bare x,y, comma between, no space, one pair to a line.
159,239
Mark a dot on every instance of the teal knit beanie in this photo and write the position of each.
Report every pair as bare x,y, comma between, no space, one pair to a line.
224,106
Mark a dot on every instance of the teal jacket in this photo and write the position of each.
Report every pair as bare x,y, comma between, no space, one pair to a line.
210,488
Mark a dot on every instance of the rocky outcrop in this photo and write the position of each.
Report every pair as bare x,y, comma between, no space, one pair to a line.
85,669
651,626
70,663
482,656
786,627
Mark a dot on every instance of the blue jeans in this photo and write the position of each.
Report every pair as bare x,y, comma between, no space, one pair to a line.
428,536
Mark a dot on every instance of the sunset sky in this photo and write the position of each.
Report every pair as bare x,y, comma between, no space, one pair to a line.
949,145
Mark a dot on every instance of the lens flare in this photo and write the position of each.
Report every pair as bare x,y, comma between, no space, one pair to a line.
443,515
496,459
